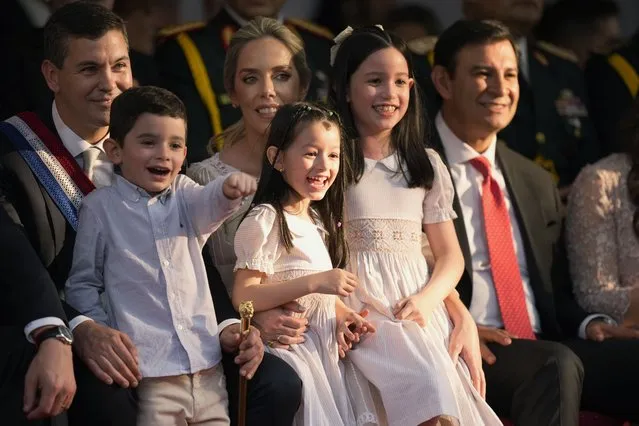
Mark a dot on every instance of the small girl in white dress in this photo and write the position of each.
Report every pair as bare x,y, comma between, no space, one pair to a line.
281,247
397,189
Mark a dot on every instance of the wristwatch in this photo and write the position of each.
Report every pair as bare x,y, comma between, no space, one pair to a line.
60,332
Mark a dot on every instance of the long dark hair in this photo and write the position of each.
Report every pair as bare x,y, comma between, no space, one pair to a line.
288,123
408,137
630,132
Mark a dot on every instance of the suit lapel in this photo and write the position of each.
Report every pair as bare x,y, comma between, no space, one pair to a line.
529,216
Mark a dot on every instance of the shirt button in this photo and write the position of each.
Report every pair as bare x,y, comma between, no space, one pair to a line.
179,327
165,262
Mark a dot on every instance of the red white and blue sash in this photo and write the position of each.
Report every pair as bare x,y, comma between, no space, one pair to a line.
51,163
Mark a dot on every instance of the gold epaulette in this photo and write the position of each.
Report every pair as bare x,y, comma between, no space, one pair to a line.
172,30
422,45
566,54
311,27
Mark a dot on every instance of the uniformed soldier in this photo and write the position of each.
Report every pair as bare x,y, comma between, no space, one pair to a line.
552,124
191,62
613,84
144,18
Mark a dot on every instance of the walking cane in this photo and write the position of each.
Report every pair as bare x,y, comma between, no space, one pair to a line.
246,313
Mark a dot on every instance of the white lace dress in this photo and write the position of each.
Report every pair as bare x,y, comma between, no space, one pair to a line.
409,365
333,393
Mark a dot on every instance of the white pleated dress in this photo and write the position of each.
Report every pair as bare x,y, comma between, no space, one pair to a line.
333,393
409,365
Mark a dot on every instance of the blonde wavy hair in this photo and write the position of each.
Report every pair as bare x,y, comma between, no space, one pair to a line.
257,29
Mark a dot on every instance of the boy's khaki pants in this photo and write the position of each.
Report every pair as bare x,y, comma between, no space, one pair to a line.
188,399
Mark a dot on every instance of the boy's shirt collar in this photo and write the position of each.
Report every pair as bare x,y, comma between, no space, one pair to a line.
132,192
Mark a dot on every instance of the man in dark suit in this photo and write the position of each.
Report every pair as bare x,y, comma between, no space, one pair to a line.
28,295
613,85
551,126
50,160
516,282
209,41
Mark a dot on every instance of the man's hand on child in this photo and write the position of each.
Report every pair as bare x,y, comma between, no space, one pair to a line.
336,281
251,348
238,185
109,353
279,327
350,329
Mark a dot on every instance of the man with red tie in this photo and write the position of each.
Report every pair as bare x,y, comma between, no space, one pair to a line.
544,357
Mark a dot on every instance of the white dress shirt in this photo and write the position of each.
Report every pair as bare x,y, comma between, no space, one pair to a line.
145,254
484,306
102,176
103,168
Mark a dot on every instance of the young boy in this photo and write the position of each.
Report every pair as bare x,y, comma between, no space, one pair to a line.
139,241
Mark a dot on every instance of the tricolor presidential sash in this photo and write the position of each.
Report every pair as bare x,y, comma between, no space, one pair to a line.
51,163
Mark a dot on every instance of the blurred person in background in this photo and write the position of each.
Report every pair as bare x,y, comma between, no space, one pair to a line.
582,26
613,84
144,19
418,25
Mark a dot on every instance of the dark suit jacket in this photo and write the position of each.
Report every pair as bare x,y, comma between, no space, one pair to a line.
47,229
28,292
539,214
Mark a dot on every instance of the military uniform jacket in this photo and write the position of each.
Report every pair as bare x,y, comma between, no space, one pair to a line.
613,85
552,125
209,109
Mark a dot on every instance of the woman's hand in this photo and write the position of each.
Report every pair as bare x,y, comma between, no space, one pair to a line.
351,327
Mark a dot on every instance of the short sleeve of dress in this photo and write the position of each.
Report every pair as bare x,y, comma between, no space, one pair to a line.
438,202
257,240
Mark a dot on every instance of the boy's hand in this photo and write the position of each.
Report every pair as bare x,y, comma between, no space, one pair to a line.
238,185
251,348
350,328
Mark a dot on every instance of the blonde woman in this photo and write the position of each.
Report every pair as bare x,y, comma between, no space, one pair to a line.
265,68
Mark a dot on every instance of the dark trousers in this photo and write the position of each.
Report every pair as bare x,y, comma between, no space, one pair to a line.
274,393
95,403
611,380
546,383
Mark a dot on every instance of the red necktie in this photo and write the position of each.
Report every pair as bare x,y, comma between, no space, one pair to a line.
501,251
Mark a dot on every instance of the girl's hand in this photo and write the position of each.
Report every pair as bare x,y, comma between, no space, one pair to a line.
464,341
415,308
336,281
350,328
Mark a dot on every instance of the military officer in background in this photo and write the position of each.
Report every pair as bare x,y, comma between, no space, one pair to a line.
613,84
191,62
552,125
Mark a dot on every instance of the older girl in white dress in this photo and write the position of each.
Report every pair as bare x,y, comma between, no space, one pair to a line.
396,190
282,255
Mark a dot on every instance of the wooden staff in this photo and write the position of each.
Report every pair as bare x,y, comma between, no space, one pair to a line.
246,313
